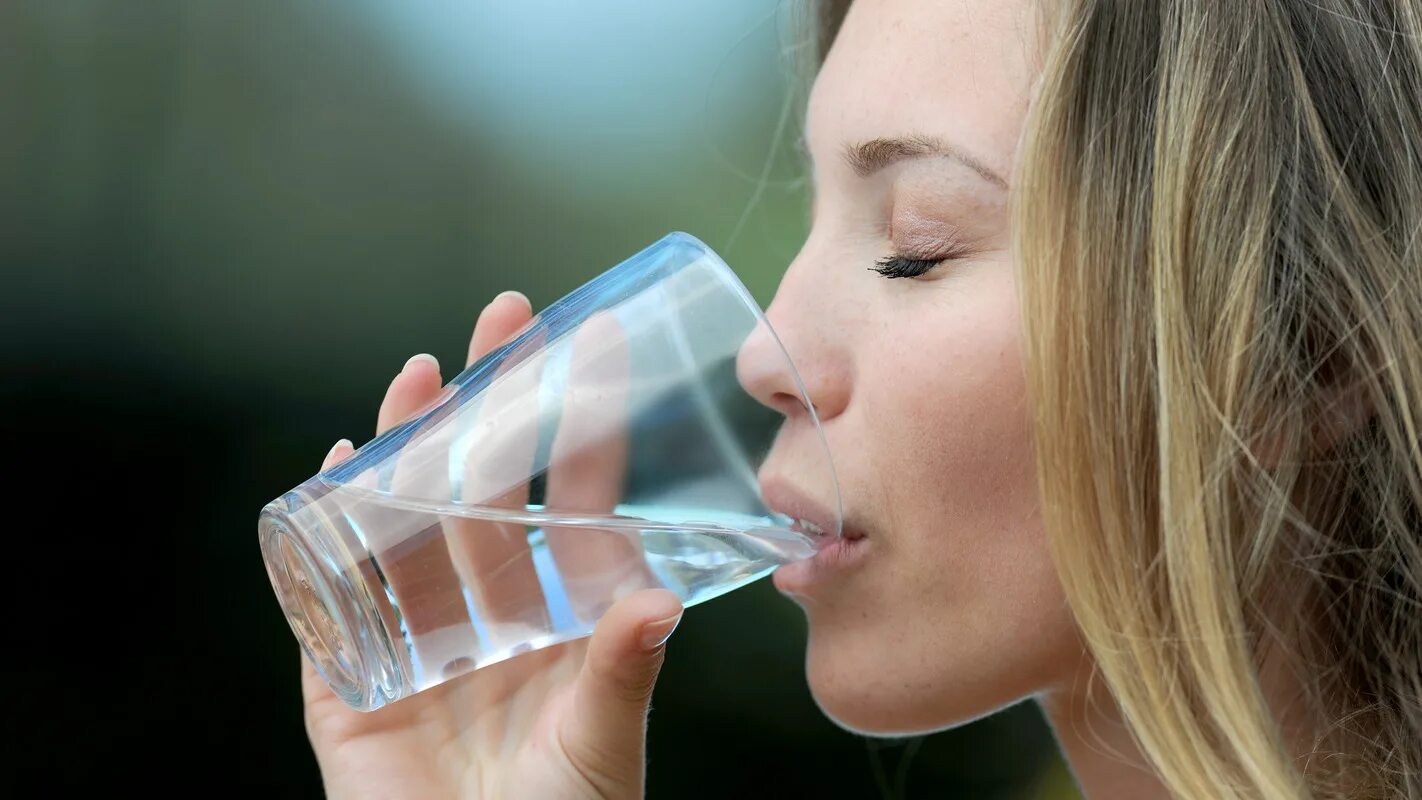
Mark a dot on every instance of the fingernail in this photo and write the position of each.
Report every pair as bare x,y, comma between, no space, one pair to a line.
511,293
426,357
655,634
337,446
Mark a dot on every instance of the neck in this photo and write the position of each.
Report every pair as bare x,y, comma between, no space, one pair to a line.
1104,756
1097,744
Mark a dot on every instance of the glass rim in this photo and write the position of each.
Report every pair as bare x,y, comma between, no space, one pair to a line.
739,287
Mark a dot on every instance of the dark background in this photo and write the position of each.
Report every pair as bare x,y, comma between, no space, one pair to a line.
224,226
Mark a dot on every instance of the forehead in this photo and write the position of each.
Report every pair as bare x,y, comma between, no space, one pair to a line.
959,69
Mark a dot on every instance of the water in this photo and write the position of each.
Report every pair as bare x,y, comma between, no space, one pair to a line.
393,595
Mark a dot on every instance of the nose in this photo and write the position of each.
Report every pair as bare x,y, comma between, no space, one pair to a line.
762,369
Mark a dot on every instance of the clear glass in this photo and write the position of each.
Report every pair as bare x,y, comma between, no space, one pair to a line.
609,445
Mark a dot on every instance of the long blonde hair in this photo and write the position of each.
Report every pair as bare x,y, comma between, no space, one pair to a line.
1218,227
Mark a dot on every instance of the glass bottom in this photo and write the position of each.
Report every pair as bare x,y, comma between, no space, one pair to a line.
389,597
320,606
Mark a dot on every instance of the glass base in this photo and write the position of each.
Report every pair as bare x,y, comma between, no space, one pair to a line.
321,604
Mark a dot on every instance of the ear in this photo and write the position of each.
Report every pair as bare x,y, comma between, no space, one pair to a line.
1342,413
1340,410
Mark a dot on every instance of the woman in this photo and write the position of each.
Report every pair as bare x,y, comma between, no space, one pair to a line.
1119,306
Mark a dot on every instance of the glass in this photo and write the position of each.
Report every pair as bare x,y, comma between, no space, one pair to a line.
609,445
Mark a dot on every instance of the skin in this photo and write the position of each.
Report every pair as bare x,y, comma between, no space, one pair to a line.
922,379
919,385
566,721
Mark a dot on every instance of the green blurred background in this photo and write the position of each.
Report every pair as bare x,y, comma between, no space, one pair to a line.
224,226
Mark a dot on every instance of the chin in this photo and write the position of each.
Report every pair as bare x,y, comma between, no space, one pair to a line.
867,691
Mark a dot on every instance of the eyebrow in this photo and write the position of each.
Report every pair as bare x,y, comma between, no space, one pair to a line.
867,158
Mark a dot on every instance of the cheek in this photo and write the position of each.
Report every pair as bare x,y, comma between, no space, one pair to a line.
958,420
964,502
961,587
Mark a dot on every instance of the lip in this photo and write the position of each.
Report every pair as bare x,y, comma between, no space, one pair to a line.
784,497
833,554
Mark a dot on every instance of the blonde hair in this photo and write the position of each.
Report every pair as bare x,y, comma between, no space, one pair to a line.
1218,227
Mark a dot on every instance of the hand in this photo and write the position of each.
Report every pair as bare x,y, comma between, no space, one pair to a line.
567,721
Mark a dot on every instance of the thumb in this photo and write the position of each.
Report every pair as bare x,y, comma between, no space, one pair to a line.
606,734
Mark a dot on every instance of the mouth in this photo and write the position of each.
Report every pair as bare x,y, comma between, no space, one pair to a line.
820,535
837,546
819,521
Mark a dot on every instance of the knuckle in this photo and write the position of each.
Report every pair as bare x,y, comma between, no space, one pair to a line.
637,688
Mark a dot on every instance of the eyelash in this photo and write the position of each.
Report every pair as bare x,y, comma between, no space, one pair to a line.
902,266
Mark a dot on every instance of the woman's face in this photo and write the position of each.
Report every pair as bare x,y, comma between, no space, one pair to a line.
948,607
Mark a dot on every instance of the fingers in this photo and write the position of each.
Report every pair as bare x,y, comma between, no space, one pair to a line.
494,557
416,385
313,687
409,545
605,736
499,320
428,561
340,451
587,472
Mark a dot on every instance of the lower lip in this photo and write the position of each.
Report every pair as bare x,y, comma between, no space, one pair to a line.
833,559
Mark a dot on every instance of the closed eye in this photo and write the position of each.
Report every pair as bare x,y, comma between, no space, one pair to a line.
908,266
896,266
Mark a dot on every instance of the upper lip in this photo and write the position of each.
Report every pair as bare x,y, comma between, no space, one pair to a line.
784,497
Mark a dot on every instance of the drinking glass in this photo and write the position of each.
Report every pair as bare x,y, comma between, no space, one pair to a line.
609,445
